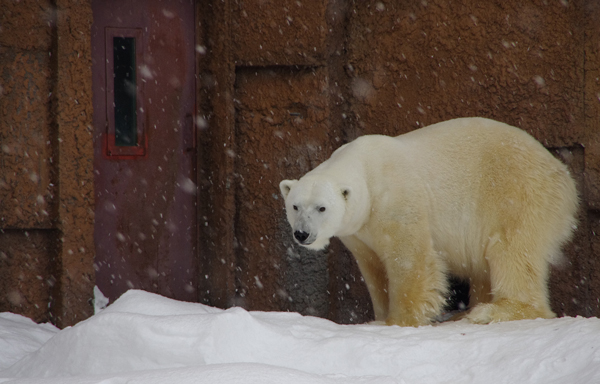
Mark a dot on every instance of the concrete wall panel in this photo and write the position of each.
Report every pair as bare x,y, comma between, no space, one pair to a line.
76,153
26,24
26,190
28,264
275,32
282,131
414,63
592,104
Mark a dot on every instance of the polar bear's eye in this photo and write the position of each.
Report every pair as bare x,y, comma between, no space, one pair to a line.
295,207
322,209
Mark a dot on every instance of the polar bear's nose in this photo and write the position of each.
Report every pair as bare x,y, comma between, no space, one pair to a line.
301,236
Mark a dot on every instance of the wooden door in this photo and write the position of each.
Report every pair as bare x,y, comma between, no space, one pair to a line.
145,183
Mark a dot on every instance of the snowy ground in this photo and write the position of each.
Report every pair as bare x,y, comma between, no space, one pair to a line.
145,338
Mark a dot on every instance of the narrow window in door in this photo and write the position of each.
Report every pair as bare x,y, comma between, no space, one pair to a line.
125,133
125,91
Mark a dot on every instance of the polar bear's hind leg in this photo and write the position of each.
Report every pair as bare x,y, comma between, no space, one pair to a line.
518,278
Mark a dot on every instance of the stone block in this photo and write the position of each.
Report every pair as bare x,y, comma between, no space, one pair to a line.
28,265
26,24
26,189
274,32
417,63
282,132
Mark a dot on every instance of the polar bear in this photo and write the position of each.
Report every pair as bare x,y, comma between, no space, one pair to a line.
471,197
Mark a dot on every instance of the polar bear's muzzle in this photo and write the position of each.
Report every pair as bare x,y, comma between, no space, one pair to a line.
303,237
310,240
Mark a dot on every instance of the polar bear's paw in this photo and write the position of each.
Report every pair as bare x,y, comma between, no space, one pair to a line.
506,310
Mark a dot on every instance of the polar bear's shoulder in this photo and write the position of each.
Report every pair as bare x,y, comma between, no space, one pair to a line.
462,128
366,145
368,142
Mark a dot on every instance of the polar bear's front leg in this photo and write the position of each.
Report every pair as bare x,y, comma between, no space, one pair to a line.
417,282
374,274
416,294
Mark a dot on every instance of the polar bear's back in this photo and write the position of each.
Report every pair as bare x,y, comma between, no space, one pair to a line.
458,140
478,177
469,138
459,163
483,176
479,150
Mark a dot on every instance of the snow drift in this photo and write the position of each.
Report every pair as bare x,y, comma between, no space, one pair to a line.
146,338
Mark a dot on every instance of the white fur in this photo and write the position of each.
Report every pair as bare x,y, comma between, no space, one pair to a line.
471,196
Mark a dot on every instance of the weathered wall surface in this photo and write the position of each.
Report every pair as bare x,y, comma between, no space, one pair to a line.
588,286
592,103
283,68
25,113
417,63
46,201
26,85
387,67
280,85
29,266
275,32
414,63
27,186
73,119
281,123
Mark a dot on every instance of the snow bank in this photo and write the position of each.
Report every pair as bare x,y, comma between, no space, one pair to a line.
145,338
20,336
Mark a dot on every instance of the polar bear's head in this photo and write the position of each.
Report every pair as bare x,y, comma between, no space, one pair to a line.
315,209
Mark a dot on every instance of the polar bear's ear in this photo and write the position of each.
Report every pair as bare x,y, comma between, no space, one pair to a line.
346,193
285,186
